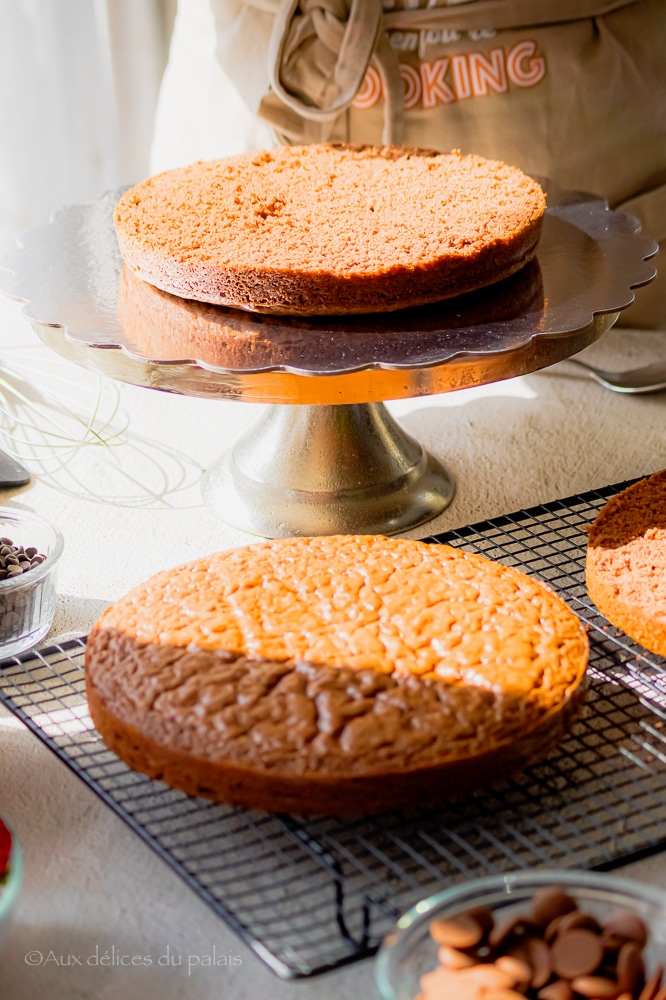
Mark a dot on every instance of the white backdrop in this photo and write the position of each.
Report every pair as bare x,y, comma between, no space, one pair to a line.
79,81
200,115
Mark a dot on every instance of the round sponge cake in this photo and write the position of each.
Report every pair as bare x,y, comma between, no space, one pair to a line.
330,228
339,674
625,565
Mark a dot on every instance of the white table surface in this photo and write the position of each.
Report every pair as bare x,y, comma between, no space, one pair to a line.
90,885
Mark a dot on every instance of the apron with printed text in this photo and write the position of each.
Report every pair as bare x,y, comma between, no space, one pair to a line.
572,90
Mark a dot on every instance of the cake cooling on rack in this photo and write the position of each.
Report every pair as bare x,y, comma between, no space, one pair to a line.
344,674
330,228
625,565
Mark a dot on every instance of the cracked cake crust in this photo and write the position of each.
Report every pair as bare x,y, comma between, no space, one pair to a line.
338,674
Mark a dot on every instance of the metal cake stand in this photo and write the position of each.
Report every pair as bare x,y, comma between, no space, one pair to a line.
327,456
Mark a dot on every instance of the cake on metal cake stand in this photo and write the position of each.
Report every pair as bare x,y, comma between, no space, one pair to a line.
327,456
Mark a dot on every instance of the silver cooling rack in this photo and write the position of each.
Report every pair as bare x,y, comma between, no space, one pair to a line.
310,895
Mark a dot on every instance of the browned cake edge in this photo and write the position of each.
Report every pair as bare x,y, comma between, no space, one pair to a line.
290,293
343,794
634,621
640,622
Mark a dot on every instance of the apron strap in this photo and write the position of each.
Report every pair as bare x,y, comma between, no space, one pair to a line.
319,55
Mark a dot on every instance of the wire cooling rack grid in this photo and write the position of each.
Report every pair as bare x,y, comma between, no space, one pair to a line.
310,895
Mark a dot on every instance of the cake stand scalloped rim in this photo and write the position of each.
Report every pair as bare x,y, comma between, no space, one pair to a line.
612,230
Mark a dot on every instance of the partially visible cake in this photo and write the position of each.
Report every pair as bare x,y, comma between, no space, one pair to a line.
330,228
340,674
625,565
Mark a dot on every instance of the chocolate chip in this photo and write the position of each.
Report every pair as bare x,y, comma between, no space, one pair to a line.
630,969
576,953
512,929
628,925
559,990
484,917
540,960
576,919
551,929
595,987
519,970
15,557
550,903
461,931
451,958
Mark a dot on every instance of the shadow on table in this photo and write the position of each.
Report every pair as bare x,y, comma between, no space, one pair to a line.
532,440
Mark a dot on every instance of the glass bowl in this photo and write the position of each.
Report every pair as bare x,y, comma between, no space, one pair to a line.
409,951
27,602
9,888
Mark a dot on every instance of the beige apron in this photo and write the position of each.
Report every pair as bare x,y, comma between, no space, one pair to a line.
574,90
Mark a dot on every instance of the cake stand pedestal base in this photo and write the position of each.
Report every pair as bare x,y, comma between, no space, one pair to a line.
327,470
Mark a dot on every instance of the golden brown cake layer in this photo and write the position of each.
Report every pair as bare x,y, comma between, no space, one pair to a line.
330,228
626,562
338,674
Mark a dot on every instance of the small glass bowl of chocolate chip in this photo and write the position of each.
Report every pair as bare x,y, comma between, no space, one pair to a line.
546,935
30,549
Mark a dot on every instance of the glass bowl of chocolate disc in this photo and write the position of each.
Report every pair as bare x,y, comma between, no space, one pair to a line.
30,549
545,935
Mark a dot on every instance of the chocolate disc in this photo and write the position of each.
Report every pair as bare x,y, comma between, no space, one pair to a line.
461,931
550,903
576,953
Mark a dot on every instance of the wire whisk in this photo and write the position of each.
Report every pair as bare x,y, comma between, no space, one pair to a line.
70,429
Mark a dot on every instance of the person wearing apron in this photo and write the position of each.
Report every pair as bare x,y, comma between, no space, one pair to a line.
571,90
